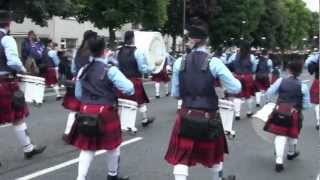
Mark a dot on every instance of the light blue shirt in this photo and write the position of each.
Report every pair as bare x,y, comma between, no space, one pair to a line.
217,69
142,62
274,89
312,58
253,60
114,75
54,56
11,51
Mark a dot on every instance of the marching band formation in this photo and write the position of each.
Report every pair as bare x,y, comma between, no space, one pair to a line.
97,79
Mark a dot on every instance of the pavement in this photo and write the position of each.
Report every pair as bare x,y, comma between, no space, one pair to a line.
142,154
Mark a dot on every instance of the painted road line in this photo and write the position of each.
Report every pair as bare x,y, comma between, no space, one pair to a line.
70,162
5,125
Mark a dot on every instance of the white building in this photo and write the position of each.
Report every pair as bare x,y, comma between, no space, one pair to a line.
66,32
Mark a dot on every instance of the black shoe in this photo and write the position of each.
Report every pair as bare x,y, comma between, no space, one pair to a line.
157,97
149,121
293,156
168,94
237,118
279,168
0,164
117,178
257,105
58,98
249,115
231,177
317,127
35,151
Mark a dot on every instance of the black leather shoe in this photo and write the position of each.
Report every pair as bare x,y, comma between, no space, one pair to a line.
249,115
157,97
317,127
59,98
149,121
117,178
0,164
257,105
293,156
35,151
168,94
279,168
237,118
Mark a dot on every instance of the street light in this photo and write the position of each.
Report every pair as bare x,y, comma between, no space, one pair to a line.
263,38
244,22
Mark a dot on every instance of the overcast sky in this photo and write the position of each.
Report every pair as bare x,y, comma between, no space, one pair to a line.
313,4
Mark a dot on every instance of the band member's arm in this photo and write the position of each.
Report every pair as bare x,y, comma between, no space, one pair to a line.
273,89
142,62
254,62
312,58
218,69
270,65
120,81
11,51
306,96
54,56
175,90
231,58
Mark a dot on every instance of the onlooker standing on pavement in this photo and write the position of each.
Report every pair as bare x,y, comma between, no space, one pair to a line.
13,108
312,63
96,91
286,119
198,135
32,49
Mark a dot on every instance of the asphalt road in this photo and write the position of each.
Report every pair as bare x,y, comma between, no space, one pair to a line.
250,158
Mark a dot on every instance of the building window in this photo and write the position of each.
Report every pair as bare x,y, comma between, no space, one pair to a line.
68,43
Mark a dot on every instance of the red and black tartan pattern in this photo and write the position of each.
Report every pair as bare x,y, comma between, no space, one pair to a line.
111,137
292,132
262,84
247,84
7,113
140,95
162,76
315,91
50,76
70,101
190,152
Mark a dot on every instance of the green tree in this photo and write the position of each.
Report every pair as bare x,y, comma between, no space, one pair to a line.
154,14
39,11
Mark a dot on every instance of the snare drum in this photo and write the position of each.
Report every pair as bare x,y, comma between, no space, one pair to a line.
128,112
33,88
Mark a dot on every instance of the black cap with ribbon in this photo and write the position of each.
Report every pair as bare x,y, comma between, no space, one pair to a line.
5,18
198,29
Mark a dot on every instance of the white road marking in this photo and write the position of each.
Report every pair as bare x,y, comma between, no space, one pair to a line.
5,125
70,162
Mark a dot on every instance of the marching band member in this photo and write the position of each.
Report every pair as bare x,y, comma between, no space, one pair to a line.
163,77
193,143
81,58
244,65
96,91
13,108
312,63
132,64
286,119
49,68
262,80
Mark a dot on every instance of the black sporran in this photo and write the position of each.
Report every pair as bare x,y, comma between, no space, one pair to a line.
200,127
89,125
18,100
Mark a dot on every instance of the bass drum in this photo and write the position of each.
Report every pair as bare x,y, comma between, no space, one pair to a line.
153,46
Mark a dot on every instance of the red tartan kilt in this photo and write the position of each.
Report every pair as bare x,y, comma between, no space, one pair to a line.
292,132
50,76
70,101
140,95
274,79
189,152
314,92
247,83
111,137
262,84
161,77
7,113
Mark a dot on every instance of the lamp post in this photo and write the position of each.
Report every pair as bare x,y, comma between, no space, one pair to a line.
183,25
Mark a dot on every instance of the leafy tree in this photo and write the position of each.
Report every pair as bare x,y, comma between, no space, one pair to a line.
154,14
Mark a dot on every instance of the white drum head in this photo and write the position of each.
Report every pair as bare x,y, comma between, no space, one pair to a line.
259,120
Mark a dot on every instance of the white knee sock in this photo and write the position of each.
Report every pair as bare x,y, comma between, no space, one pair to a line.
317,109
157,87
280,144
23,137
179,104
85,159
250,105
258,97
143,110
56,90
180,172
292,146
237,106
217,171
70,122
113,161
166,86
